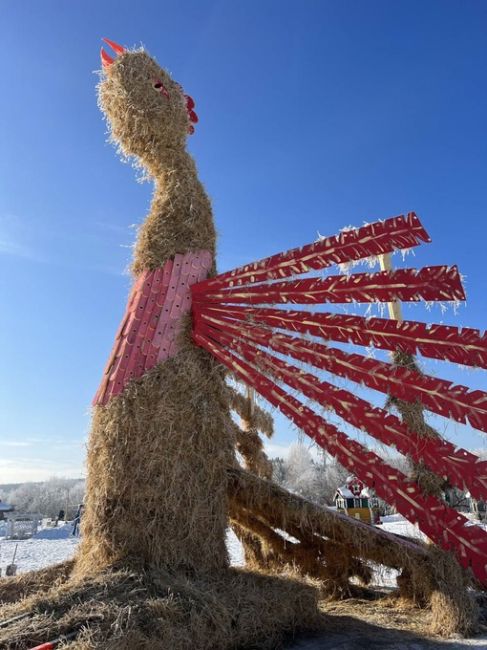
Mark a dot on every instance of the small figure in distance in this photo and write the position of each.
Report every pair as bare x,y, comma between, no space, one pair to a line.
77,519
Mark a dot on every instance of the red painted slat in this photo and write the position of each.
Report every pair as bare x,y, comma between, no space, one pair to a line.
437,395
134,341
373,239
103,391
432,283
156,306
162,302
445,527
165,323
460,466
458,345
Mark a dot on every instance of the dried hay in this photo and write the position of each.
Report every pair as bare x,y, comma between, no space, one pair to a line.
251,413
431,577
249,445
152,568
388,616
124,610
453,608
265,548
156,488
331,565
412,414
146,125
292,513
447,592
26,584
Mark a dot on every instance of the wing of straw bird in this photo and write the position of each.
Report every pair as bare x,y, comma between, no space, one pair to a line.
233,320
150,328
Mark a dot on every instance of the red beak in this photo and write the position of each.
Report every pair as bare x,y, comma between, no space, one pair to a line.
106,59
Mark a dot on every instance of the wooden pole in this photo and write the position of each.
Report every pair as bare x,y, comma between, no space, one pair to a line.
395,311
244,423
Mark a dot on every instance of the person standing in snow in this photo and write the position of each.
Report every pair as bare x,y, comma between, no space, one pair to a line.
77,519
59,518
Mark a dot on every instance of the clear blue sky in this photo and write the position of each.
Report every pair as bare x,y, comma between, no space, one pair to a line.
313,115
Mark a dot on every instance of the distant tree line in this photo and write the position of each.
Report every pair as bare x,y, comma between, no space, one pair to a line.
46,498
313,476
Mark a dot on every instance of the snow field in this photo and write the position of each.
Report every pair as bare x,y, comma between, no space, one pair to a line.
52,545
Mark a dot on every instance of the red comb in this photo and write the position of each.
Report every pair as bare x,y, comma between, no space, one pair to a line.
119,49
106,59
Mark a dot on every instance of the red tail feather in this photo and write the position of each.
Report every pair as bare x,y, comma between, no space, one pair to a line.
437,395
465,346
431,283
461,467
221,325
396,233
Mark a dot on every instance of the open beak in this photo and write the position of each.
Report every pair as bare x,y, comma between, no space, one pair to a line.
106,59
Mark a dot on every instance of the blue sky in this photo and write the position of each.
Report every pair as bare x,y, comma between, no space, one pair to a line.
314,115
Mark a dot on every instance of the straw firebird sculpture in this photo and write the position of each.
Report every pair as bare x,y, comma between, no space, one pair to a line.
152,569
249,321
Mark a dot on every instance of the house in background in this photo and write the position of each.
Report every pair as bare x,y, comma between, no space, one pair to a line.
355,500
4,509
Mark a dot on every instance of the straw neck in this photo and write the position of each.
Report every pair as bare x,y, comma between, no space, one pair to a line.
180,217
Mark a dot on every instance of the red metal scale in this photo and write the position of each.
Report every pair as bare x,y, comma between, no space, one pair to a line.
152,320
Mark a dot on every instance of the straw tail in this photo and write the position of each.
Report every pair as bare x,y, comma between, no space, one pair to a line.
160,441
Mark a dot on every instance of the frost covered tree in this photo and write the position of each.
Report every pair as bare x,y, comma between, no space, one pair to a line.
48,498
301,474
314,479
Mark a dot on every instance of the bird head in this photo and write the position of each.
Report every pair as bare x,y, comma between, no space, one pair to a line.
148,112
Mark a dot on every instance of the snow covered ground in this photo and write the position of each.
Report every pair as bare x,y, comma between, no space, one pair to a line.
53,545
48,546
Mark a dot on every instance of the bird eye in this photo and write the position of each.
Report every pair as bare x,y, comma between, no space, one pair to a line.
159,86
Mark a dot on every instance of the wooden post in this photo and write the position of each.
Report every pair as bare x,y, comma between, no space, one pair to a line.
395,311
244,423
